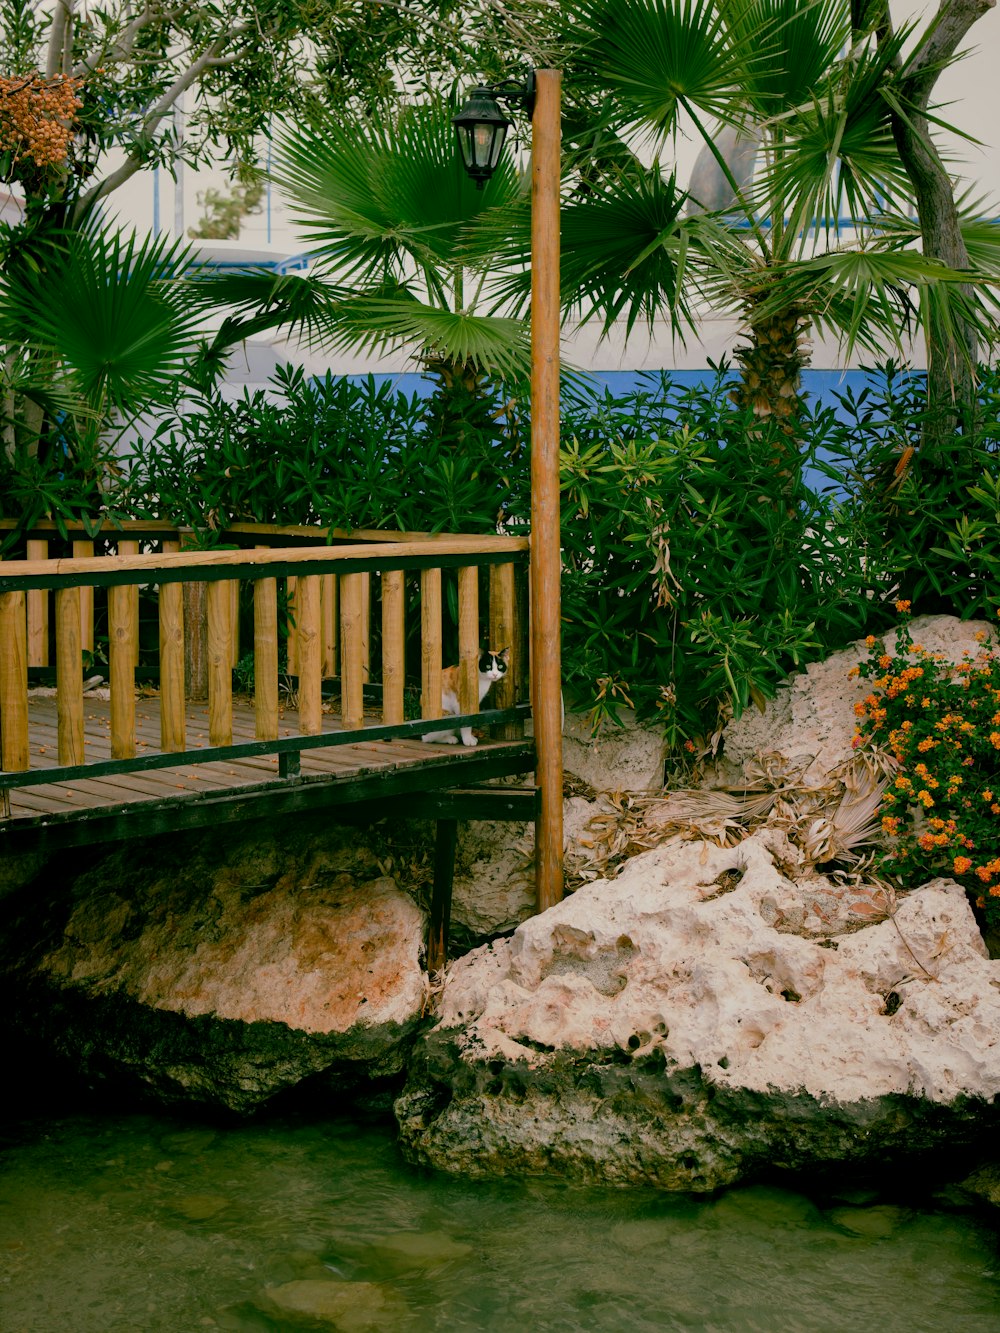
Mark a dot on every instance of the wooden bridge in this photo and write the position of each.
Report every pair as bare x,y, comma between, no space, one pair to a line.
118,653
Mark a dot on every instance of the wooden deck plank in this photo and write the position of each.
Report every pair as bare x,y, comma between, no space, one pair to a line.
359,766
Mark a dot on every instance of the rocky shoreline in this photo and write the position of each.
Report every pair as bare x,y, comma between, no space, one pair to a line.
712,1009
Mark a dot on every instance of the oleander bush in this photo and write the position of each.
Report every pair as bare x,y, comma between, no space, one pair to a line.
697,573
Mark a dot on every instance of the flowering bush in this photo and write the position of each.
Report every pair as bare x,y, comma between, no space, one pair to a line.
940,722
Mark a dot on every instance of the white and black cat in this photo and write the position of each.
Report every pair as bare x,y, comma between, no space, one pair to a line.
492,667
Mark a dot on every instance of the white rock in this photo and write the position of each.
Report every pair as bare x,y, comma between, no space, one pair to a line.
659,966
813,714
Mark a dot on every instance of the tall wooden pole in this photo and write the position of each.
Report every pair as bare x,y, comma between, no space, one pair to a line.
546,673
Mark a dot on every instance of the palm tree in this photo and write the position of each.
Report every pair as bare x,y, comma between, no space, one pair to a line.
384,207
784,75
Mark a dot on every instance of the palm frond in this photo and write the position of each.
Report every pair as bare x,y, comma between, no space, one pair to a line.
112,312
374,199
861,294
657,55
786,48
372,321
835,155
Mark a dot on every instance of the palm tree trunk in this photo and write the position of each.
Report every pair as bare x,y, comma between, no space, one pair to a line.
770,383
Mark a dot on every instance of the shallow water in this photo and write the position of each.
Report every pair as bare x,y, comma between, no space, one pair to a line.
141,1223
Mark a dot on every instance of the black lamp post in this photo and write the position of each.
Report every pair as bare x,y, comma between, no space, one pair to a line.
482,127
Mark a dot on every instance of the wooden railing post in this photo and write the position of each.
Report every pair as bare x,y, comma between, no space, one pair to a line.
468,639
307,599
121,669
69,677
366,626
15,754
352,679
393,646
234,622
265,658
173,727
328,620
430,643
220,670
130,547
38,611
195,640
85,551
506,633
173,722
292,628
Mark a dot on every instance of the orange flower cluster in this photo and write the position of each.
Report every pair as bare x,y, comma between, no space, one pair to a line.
37,119
940,814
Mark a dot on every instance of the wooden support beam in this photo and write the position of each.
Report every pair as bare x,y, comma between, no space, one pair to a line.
445,841
333,798
546,671
496,804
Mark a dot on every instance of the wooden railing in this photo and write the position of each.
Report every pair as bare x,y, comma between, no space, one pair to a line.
48,602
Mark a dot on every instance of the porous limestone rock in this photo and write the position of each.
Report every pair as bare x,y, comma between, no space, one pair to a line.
662,1028
813,713
495,874
222,971
629,757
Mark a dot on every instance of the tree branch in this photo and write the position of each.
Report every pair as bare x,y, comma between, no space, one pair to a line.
124,46
210,58
62,26
939,45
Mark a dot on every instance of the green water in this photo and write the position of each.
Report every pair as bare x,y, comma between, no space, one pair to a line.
144,1224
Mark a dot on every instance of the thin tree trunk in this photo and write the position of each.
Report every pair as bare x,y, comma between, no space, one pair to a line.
951,349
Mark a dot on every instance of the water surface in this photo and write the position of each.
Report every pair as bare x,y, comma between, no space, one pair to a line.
140,1223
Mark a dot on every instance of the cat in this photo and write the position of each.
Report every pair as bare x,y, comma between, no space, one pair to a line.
492,667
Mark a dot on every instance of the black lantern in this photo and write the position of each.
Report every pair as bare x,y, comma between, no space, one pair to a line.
482,127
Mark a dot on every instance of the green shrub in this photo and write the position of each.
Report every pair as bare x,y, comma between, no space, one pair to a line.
940,722
695,575
332,452
927,516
